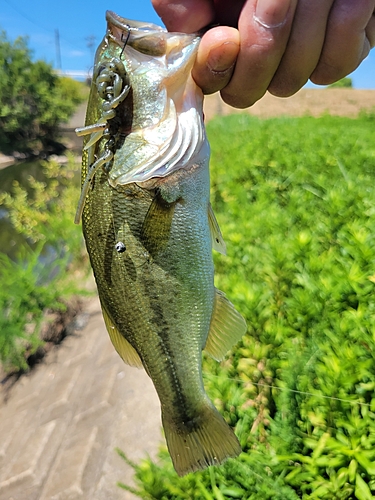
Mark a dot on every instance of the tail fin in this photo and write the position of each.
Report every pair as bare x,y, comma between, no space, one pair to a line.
208,440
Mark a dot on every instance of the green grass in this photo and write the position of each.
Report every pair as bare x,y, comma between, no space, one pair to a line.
295,201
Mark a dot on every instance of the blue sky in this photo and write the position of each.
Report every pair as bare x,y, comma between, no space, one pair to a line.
77,21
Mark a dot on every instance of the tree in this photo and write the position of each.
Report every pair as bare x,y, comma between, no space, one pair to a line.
33,100
344,83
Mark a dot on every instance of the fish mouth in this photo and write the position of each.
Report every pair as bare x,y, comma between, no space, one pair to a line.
135,26
147,38
144,37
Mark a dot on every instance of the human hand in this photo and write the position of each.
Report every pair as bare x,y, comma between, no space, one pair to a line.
274,45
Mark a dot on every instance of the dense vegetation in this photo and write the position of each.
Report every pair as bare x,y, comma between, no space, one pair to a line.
344,83
295,201
41,274
33,101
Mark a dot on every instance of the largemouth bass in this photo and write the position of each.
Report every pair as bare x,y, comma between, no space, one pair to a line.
149,229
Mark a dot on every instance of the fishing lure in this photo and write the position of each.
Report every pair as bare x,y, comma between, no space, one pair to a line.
113,87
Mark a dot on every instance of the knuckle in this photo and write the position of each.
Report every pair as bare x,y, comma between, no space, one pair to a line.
326,76
210,82
239,100
328,72
286,85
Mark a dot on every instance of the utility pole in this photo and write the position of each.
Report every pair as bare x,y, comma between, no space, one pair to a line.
58,51
91,44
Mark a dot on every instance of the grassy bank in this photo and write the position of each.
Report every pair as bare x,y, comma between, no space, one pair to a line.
294,198
42,275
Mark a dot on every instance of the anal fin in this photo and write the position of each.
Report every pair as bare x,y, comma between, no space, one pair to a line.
226,329
122,346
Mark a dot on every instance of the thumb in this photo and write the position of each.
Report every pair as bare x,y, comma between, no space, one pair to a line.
185,15
216,58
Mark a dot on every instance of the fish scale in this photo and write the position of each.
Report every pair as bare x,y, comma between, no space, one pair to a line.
150,238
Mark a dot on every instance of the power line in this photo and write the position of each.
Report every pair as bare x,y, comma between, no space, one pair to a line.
91,45
25,16
38,25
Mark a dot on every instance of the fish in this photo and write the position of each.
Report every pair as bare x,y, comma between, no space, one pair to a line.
150,229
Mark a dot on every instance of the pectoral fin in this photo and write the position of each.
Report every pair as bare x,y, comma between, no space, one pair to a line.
217,239
226,329
157,225
122,346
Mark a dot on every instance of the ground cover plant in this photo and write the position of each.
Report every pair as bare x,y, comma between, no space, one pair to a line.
295,201
41,273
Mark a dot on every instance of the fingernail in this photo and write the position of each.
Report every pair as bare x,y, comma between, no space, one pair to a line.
222,57
271,13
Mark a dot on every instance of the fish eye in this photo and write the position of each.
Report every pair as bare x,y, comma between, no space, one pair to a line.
120,247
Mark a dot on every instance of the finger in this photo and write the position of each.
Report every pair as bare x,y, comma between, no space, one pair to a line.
304,47
370,31
228,15
264,27
185,15
216,58
346,43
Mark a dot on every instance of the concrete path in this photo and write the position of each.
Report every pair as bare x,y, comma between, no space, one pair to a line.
61,423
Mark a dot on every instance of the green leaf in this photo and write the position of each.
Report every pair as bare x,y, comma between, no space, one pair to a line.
362,491
365,463
352,470
321,445
233,492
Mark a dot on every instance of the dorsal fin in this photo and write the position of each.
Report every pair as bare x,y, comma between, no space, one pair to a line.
226,329
217,239
122,346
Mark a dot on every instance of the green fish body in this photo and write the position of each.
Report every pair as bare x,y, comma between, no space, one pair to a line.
150,230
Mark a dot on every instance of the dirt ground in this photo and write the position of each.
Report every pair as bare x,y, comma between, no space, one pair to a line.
314,102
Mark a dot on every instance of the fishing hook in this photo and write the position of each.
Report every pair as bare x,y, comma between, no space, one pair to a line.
126,40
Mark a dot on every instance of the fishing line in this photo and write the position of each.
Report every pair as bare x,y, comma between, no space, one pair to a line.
305,393
126,40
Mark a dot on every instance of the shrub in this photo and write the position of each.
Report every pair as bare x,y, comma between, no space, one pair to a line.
28,288
43,274
344,83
